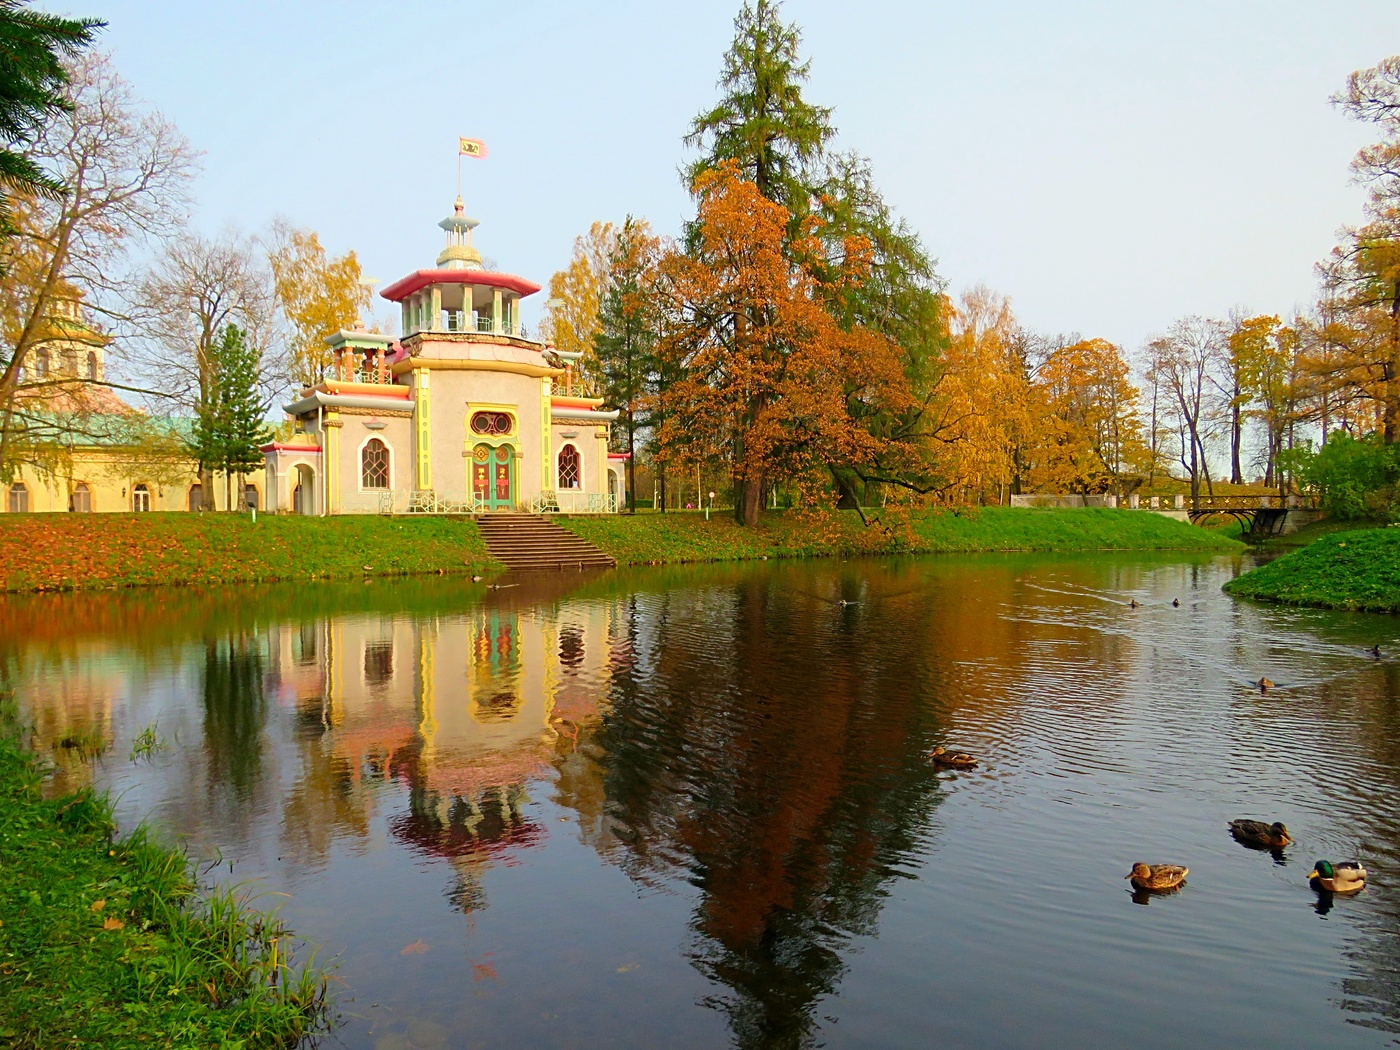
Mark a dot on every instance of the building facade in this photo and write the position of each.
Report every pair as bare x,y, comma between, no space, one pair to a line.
461,414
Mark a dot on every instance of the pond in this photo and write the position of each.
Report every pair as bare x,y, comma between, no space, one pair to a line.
693,807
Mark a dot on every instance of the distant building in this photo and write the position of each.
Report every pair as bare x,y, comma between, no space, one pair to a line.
461,414
83,449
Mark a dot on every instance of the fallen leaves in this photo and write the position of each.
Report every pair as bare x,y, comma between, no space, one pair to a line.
418,947
111,922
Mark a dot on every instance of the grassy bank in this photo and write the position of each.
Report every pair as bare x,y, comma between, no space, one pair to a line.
687,537
104,942
1356,569
42,552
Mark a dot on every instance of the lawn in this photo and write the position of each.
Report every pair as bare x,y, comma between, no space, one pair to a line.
687,537
1356,569
43,552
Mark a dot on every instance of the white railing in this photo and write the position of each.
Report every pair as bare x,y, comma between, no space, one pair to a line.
571,501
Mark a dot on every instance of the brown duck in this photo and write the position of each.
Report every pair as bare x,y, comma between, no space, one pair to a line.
951,759
1157,878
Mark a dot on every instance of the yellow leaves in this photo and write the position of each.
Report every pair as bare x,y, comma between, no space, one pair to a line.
318,295
575,294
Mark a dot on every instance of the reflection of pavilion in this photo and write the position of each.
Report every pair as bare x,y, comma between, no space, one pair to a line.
463,710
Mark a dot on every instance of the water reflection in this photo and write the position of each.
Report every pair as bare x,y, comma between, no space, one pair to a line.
719,775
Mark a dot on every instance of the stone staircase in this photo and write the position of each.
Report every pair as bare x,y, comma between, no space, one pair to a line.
529,543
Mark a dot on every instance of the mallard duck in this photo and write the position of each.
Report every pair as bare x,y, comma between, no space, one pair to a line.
1159,878
951,759
1265,685
1176,603
1257,833
1346,876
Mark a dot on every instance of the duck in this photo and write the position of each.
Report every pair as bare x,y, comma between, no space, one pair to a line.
1257,833
1133,604
951,759
1158,878
1265,685
1346,876
1176,603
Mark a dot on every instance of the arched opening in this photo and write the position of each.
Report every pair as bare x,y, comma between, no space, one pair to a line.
141,499
195,499
374,465
41,363
19,498
82,498
570,468
304,492
92,364
612,484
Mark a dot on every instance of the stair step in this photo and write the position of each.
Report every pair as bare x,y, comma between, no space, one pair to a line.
523,541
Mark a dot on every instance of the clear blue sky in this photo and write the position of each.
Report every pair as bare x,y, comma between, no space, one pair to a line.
1110,166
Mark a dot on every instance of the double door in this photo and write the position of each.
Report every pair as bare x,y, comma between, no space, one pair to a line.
493,476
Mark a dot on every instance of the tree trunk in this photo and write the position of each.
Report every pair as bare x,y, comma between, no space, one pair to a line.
631,463
661,486
1236,433
752,502
206,488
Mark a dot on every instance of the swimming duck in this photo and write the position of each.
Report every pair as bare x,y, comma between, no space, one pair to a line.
951,759
1159,878
1346,876
1257,833
1176,603
1265,685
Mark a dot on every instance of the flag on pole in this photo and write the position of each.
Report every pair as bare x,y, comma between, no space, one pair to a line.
471,148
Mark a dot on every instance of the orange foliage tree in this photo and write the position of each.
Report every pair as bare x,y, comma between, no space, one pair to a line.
765,371
1088,430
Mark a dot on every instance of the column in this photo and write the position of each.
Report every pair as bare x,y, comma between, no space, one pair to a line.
331,481
435,321
496,310
546,435
422,445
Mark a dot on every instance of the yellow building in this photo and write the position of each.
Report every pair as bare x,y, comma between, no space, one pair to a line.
85,450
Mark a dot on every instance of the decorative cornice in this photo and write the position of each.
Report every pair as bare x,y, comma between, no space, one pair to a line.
435,364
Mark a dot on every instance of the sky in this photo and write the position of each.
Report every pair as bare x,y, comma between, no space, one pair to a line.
1109,166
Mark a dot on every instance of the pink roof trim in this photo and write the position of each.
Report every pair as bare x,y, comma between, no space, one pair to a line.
406,286
619,455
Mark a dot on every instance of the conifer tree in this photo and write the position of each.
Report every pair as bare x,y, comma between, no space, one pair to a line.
32,78
625,342
230,424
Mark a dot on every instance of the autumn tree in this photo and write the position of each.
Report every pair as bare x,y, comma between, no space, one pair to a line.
576,295
764,368
625,343
124,172
1366,268
779,141
1088,427
196,290
1266,356
37,48
1182,362
317,296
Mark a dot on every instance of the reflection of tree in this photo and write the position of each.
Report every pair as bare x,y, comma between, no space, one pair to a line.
235,709
790,801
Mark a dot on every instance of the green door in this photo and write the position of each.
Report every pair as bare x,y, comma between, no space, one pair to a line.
493,476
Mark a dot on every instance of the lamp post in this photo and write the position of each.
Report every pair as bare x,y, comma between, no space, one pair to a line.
709,505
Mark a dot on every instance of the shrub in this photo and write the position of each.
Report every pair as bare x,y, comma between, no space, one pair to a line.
1356,477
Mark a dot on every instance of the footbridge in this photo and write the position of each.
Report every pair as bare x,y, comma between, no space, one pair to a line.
1262,515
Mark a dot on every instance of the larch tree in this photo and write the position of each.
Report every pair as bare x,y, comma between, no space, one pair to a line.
765,370
1089,426
1267,357
628,327
576,295
36,47
317,296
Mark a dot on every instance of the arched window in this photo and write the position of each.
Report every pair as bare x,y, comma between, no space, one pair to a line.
374,465
82,498
92,364
196,497
19,498
569,472
41,363
492,424
140,499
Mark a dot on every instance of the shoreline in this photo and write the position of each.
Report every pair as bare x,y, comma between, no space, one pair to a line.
109,940
1352,570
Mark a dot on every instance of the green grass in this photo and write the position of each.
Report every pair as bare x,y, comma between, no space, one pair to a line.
686,537
1355,569
1318,529
43,552
104,942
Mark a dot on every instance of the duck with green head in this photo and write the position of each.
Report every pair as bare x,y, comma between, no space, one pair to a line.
1346,876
